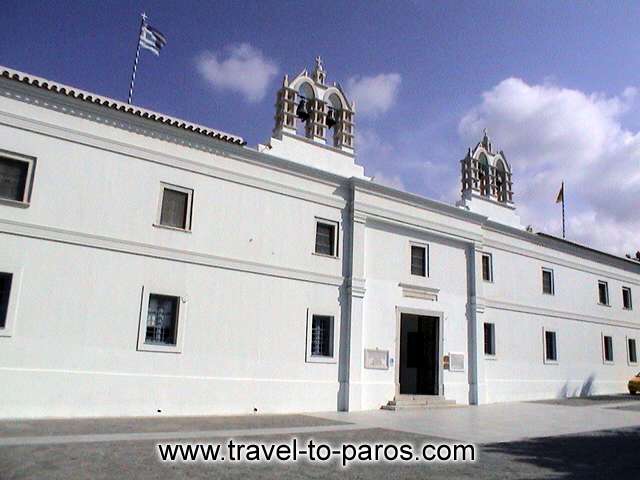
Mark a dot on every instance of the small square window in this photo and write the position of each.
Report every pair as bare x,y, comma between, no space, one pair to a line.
603,293
419,260
16,174
487,267
175,207
627,303
550,346
321,338
5,294
326,238
162,320
607,345
631,349
489,339
547,281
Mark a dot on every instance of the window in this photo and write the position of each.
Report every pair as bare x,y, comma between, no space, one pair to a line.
489,339
326,238
607,346
603,293
322,336
627,304
547,281
487,267
16,174
631,350
419,260
175,207
162,319
550,346
5,290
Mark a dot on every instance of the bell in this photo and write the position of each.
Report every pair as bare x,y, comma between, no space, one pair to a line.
301,111
331,122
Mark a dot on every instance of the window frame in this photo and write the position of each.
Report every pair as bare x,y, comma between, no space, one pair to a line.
424,246
606,290
627,289
604,355
336,237
491,355
490,257
335,329
545,357
28,184
553,281
16,272
635,343
154,289
189,214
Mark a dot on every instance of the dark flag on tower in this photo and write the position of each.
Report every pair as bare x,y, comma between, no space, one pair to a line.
560,199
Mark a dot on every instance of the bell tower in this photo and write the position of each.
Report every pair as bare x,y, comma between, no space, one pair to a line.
487,186
311,112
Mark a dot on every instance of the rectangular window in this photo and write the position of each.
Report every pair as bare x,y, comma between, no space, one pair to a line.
487,267
16,173
631,347
547,281
5,291
175,207
607,345
322,336
326,238
489,339
627,304
550,347
418,260
162,320
603,293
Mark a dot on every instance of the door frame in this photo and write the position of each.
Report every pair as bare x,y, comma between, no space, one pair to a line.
440,344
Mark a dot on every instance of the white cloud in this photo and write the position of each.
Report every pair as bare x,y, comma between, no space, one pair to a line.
550,134
241,68
393,181
374,95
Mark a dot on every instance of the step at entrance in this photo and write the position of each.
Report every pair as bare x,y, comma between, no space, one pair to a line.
418,402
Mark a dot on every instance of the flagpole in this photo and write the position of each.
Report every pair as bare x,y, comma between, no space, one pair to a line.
563,229
135,62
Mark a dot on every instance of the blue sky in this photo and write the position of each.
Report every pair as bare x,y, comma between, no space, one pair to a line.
554,82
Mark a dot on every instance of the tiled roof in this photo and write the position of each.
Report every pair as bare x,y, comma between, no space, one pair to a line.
116,105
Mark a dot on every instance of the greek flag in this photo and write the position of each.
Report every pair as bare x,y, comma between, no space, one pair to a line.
152,39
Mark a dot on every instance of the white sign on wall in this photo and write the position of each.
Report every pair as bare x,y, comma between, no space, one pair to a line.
376,359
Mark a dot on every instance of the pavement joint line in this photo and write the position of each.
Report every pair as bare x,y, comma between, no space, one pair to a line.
138,436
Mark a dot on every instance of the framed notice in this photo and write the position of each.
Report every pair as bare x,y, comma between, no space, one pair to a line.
376,359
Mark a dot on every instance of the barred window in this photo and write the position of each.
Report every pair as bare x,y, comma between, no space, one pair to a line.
162,320
547,281
551,351
322,336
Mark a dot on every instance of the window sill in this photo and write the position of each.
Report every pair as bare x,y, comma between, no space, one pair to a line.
627,309
549,294
487,281
604,304
608,362
152,347
335,257
175,229
550,362
317,359
490,357
14,203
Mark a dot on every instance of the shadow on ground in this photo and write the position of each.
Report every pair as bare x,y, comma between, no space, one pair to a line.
601,454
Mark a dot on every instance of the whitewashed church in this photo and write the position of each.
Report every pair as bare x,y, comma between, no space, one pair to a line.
150,266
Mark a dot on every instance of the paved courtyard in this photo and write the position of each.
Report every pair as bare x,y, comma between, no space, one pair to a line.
576,438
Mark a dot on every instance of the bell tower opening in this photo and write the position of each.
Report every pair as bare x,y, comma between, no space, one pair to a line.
310,112
487,186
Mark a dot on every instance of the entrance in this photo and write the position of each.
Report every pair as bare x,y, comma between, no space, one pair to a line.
418,369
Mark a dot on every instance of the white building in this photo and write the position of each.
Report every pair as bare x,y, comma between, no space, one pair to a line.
153,266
